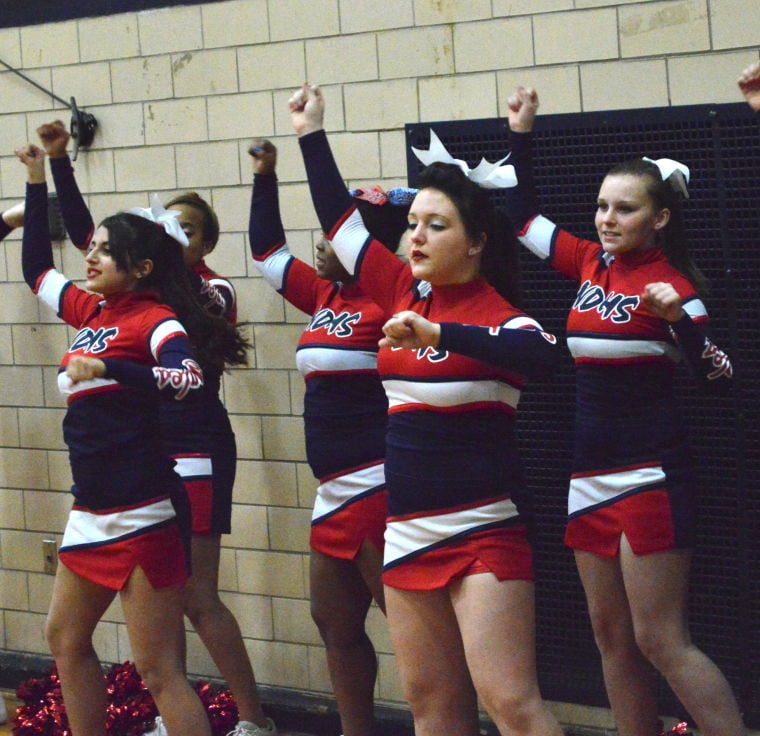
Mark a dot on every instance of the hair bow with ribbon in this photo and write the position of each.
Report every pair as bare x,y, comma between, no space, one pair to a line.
674,172
167,219
485,174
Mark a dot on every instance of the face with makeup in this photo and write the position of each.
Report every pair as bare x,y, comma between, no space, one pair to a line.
627,218
439,250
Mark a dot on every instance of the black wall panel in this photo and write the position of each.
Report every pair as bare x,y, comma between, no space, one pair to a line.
721,145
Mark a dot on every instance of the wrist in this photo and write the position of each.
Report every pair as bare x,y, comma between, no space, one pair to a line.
309,128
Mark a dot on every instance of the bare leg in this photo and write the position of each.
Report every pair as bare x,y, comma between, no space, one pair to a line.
340,599
156,633
628,677
76,607
431,661
497,621
218,629
657,587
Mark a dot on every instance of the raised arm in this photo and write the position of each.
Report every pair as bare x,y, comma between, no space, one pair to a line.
76,216
521,201
332,200
749,84
378,272
265,231
36,248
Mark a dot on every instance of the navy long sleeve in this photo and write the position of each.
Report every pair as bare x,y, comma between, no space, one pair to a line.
36,248
76,216
265,230
521,202
527,351
328,190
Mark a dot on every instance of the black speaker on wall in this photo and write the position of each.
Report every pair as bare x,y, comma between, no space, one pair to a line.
721,146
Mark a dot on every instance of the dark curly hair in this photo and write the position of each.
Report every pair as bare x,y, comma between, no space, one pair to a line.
132,239
210,220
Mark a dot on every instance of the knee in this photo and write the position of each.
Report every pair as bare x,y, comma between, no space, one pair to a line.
516,709
64,641
200,604
436,698
338,632
613,634
656,646
159,672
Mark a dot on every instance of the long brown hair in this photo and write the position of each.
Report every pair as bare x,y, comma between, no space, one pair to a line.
672,238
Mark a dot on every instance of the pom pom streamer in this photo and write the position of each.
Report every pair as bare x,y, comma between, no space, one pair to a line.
130,712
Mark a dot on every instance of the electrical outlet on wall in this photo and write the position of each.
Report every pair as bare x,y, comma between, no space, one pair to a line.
49,556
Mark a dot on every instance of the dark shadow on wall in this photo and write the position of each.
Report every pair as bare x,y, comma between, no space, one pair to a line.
14,13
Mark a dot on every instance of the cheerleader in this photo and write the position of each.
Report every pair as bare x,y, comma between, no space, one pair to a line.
128,527
458,569
197,435
345,420
631,502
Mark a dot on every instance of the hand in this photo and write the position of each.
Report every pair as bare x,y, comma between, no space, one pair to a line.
663,301
54,138
263,155
523,106
749,84
307,109
14,216
410,330
85,369
33,158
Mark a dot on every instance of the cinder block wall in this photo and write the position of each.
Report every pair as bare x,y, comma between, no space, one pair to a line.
178,93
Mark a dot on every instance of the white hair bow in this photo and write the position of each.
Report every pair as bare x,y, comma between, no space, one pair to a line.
485,174
167,219
676,172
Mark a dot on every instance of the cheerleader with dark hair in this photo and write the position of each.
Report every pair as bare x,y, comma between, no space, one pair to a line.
128,529
345,420
631,504
458,569
197,433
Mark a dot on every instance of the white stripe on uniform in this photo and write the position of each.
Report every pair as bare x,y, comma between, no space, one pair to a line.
595,490
86,527
408,536
343,489
450,393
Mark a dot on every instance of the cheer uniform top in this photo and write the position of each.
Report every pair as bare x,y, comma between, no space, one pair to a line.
197,431
125,490
631,468
344,406
453,472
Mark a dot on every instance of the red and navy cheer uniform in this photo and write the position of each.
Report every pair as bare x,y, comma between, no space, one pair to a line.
197,431
452,467
631,468
125,490
345,407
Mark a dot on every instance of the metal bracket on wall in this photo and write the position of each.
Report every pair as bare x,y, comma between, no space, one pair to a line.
83,124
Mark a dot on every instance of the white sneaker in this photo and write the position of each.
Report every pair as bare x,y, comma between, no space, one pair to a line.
246,728
158,728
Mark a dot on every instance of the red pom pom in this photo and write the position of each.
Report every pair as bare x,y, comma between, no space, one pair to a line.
130,712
